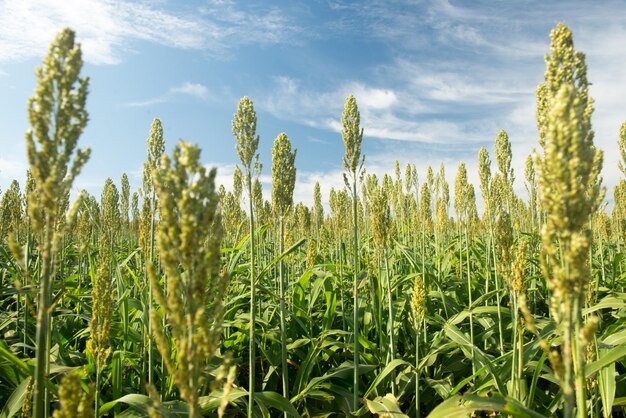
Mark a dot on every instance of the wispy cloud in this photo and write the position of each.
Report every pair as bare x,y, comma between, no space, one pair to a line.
192,89
458,74
385,113
108,29
11,169
198,91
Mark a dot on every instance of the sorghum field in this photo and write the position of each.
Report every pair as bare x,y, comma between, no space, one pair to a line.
404,299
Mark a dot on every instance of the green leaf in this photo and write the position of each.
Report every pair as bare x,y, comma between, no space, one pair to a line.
133,399
15,401
606,380
384,373
274,400
611,356
465,406
387,406
458,337
212,402
609,302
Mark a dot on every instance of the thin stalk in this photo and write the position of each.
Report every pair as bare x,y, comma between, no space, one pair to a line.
252,356
520,341
495,270
391,324
25,275
514,353
283,328
579,352
97,388
417,372
471,301
341,285
43,320
424,254
150,359
568,379
438,258
355,394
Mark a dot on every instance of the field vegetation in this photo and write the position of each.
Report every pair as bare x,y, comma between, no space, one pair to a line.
403,295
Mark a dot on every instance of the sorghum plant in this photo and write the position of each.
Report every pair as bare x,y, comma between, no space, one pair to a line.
244,130
283,183
569,190
57,116
189,235
352,135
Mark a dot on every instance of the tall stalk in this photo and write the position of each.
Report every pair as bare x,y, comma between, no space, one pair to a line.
418,310
382,230
57,115
188,237
355,319
392,348
283,327
244,130
352,135
155,149
570,191
283,183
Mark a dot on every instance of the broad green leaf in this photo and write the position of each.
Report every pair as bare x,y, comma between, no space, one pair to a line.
385,405
465,406
611,356
15,401
606,381
274,400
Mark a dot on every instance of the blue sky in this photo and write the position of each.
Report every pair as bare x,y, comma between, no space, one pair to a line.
434,80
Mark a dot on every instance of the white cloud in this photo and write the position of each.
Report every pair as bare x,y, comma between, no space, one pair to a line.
485,81
198,91
108,29
192,89
12,169
385,114
373,98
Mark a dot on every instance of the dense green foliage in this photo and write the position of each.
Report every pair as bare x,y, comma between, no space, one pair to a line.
177,301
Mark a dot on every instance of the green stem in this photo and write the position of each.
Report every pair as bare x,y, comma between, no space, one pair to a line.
514,382
471,300
500,331
283,328
579,353
97,388
568,378
417,372
149,319
355,393
252,356
391,324
43,320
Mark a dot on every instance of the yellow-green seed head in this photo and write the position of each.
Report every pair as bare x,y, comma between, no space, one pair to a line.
519,269
188,238
461,187
156,147
418,302
504,157
244,130
352,135
381,222
57,116
75,403
318,208
569,190
622,148
283,174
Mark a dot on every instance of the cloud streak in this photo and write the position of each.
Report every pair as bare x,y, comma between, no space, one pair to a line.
195,90
108,29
